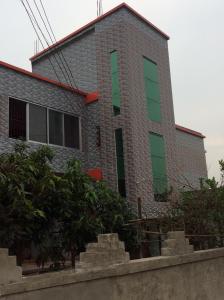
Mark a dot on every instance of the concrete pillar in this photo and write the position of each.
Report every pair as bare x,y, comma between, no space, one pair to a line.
176,244
9,272
107,251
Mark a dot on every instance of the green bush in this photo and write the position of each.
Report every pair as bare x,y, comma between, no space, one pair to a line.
56,214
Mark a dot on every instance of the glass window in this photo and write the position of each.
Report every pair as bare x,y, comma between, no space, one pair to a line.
152,90
71,127
37,123
158,159
55,128
116,101
17,119
120,162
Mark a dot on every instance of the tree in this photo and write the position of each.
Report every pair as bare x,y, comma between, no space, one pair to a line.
23,178
57,214
202,213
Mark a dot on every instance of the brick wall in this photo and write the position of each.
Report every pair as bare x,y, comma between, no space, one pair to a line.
80,55
191,160
132,42
89,58
14,84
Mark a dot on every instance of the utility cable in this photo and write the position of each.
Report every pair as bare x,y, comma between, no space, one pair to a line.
40,40
59,53
55,40
45,39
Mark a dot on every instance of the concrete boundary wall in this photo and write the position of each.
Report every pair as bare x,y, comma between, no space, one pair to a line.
197,275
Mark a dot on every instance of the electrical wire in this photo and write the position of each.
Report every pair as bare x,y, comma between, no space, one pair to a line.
40,40
55,40
45,39
59,53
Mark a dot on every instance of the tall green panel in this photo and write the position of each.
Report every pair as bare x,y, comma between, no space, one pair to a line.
120,162
157,149
152,90
116,98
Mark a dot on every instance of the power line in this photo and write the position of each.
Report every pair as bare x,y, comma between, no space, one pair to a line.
60,54
44,10
45,39
38,36
40,40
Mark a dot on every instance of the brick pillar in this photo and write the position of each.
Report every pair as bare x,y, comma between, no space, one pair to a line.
108,251
9,272
176,244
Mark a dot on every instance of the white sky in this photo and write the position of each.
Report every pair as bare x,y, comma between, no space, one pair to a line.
196,48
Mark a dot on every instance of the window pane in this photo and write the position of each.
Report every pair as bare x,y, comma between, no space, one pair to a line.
152,90
17,119
116,101
55,128
157,149
37,123
120,162
71,125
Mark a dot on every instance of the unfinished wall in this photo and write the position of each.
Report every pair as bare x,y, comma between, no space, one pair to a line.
194,276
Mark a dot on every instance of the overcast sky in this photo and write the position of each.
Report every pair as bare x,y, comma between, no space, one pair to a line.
196,48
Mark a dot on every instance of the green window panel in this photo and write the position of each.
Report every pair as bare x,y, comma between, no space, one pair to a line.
157,149
150,70
154,112
116,98
120,162
152,90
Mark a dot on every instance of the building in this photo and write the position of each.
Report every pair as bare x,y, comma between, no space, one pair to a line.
115,113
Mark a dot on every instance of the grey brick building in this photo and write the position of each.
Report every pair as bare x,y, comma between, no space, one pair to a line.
117,117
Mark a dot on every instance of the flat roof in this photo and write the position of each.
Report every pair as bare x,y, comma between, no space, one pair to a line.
42,78
190,131
73,34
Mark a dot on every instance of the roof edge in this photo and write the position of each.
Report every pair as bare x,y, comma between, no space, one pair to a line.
42,78
73,34
190,131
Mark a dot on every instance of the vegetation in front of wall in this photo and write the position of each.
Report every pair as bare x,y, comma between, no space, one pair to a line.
201,214
58,215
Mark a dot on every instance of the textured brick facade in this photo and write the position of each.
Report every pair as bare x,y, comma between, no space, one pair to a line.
191,160
88,55
22,87
80,54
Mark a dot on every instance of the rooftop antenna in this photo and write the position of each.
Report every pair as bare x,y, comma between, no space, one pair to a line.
99,8
36,46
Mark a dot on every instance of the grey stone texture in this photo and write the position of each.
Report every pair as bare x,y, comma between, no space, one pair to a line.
176,244
9,272
191,161
80,54
193,276
132,44
108,251
133,39
88,55
22,87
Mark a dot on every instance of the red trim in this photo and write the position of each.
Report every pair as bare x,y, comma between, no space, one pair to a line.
189,131
73,34
39,77
95,174
92,97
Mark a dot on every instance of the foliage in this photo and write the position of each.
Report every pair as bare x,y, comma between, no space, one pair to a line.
201,213
57,214
24,178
